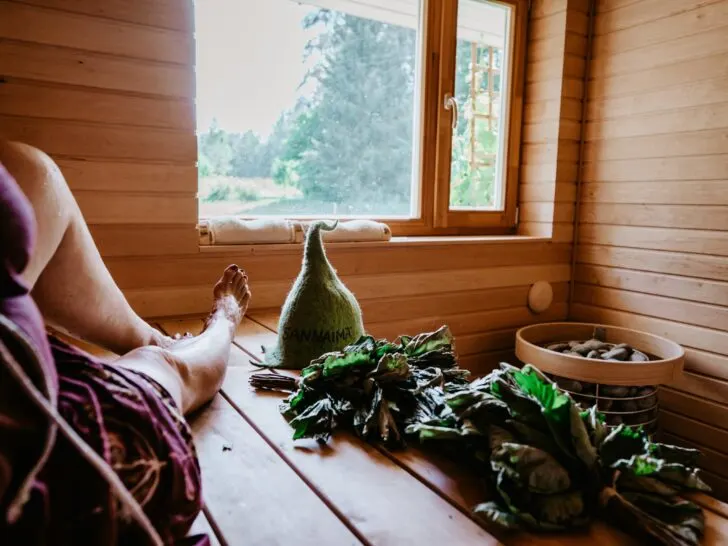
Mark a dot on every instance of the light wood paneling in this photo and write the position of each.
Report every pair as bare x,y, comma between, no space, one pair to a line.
550,155
652,250
106,89
59,28
32,99
172,14
78,67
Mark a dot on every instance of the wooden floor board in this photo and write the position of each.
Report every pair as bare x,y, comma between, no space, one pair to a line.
246,485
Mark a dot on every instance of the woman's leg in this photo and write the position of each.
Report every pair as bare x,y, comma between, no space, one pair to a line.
192,369
71,285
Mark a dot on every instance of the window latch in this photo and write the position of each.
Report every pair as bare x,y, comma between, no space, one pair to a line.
452,104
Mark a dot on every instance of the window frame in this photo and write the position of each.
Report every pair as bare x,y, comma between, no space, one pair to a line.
440,38
437,48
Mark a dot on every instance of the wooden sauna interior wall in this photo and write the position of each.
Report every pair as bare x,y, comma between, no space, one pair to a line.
653,225
557,46
106,88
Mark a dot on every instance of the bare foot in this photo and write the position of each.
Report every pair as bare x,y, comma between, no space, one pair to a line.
232,296
192,368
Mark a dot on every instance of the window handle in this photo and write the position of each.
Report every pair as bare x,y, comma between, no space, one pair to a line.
452,104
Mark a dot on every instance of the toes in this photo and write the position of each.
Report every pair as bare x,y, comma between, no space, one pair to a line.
230,273
238,281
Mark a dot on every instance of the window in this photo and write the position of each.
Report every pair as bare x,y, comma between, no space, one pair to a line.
401,110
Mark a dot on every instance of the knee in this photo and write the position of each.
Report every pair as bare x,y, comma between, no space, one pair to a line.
160,357
37,174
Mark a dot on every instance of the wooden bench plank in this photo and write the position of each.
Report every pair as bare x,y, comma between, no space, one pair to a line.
247,487
380,499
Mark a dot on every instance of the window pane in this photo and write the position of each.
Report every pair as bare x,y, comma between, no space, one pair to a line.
478,141
307,109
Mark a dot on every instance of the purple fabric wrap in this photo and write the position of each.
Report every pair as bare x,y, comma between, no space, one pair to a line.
133,423
126,417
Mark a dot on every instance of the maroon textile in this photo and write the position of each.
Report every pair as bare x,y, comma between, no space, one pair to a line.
133,423
125,416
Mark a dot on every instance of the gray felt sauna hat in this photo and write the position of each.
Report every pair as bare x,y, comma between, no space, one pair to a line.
319,315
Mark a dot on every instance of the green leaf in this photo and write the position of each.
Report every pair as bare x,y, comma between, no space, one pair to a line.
554,404
674,454
376,421
431,341
530,466
674,473
316,421
622,443
433,432
580,438
391,367
491,512
341,363
594,422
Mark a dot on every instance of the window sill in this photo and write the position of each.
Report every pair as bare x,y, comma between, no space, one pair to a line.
398,242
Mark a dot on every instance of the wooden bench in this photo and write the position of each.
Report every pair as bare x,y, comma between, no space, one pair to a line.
261,487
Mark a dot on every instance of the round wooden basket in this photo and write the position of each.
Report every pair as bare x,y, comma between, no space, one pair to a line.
624,391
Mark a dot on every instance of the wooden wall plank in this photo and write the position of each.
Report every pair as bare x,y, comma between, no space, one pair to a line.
74,139
697,18
465,324
70,66
663,153
659,77
132,176
174,14
677,216
637,13
676,240
139,240
683,49
666,192
59,28
126,208
32,99
670,308
661,284
697,118
690,94
696,431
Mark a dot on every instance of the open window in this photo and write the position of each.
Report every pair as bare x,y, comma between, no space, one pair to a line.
406,111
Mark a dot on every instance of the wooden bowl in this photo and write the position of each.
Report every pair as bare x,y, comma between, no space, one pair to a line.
668,367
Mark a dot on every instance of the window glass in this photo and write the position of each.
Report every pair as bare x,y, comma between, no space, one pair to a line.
479,138
308,109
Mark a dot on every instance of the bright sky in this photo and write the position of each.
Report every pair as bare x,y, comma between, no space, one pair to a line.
249,61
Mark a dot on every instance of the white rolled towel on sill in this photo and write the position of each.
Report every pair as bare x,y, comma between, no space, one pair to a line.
355,231
232,230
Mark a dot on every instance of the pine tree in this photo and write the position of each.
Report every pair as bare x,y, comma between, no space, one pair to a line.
353,141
